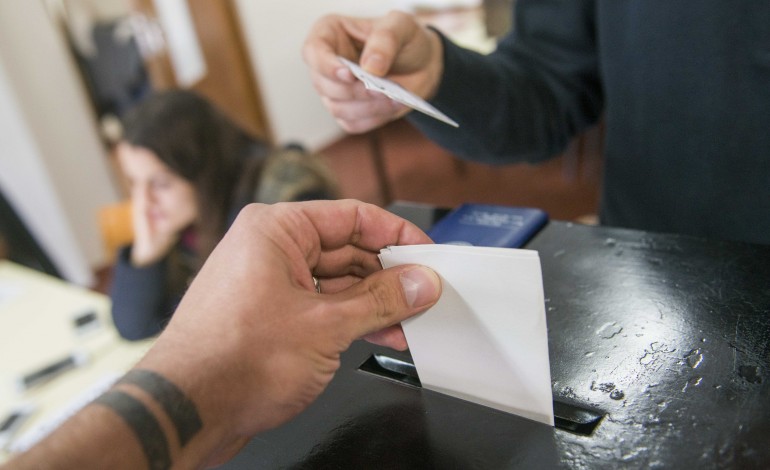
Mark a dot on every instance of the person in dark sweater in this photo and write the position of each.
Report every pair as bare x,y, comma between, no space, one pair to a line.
684,90
190,170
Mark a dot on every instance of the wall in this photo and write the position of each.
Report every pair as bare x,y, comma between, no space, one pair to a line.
101,8
52,164
274,31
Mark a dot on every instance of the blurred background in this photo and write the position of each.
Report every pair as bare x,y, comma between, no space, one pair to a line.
69,69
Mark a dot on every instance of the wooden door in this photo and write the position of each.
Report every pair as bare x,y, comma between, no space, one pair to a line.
229,81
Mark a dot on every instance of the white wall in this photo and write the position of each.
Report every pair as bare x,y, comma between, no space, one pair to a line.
103,9
274,31
52,164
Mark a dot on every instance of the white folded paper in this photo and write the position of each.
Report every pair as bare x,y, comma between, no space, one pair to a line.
485,340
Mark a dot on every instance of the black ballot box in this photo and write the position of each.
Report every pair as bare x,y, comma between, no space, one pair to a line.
660,358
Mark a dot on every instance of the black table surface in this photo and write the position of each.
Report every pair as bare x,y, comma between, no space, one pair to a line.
665,337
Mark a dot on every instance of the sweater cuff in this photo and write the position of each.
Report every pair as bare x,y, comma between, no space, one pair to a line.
449,94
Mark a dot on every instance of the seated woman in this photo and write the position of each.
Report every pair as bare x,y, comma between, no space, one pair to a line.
190,170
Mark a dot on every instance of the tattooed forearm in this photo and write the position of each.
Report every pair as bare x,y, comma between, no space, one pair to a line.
180,410
177,406
143,423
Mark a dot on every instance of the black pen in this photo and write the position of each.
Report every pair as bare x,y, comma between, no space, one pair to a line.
51,371
13,422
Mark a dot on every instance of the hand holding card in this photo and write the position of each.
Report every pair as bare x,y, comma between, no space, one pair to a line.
395,92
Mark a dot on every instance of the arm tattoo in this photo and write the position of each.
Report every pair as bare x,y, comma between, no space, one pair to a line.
144,425
180,409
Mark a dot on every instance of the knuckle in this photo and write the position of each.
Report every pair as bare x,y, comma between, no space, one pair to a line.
382,301
398,15
251,211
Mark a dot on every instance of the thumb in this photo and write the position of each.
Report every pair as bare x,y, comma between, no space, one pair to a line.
386,40
387,297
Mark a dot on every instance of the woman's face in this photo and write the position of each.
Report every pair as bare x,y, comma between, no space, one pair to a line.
166,200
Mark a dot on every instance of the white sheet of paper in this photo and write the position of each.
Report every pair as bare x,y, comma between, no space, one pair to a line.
396,92
486,339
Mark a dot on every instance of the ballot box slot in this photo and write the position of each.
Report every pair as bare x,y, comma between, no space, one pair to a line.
575,419
391,368
568,417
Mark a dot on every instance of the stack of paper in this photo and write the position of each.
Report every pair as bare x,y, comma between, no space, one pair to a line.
485,340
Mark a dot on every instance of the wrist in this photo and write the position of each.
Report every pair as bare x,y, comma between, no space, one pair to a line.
208,385
434,70
197,431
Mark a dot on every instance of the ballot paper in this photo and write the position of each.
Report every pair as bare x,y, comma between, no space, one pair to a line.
395,92
485,340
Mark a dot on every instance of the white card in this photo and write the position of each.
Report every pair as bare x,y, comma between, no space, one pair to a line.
396,92
486,339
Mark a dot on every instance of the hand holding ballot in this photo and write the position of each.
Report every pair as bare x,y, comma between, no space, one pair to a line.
259,334
253,342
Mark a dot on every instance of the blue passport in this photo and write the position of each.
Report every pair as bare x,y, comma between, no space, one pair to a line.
488,225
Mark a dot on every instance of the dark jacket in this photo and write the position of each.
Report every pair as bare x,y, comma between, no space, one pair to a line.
685,88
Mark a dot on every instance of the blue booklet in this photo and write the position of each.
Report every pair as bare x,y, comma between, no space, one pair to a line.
488,225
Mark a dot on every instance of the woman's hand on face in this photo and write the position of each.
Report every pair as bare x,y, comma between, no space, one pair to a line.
151,244
163,203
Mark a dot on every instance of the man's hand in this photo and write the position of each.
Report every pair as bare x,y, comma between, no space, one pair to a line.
254,343
395,46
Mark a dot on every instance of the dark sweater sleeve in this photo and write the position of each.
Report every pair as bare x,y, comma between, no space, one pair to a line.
524,101
141,305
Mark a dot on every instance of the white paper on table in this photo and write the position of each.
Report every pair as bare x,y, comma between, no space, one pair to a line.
486,339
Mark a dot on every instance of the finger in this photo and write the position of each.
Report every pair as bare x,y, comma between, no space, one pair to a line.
387,39
392,337
346,260
386,298
351,222
335,90
322,46
359,121
333,36
332,285
379,108
138,214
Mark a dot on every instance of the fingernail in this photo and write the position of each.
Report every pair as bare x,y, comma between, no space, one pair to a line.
421,286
